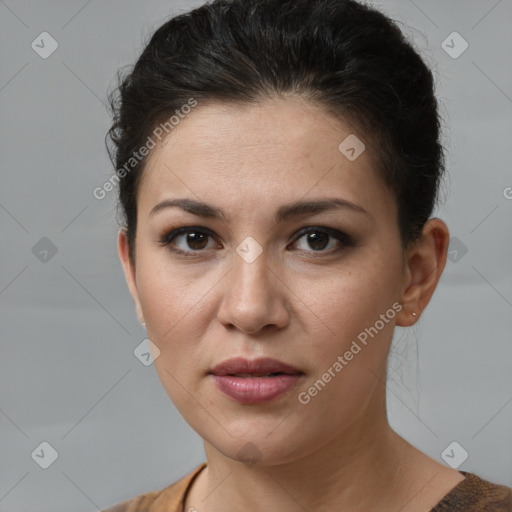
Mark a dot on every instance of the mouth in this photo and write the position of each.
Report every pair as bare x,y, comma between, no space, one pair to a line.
263,367
250,375
257,381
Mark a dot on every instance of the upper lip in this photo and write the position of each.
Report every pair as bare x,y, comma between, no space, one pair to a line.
256,366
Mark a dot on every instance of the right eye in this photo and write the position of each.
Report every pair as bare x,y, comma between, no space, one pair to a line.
188,240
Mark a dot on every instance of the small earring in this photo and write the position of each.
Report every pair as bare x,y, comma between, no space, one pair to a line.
143,324
414,314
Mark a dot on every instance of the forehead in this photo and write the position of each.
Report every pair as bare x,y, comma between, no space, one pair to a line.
262,152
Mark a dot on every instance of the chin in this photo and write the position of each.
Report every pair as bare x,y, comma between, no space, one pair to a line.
259,442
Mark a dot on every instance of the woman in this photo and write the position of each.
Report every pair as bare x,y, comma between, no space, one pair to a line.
278,164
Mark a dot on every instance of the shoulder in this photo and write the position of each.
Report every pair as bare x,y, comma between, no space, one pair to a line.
474,494
169,499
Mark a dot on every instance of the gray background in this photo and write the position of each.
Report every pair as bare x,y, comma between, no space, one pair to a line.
68,373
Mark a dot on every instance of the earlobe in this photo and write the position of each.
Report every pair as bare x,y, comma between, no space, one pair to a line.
129,271
425,261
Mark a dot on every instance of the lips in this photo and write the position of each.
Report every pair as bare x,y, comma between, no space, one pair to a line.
263,367
253,382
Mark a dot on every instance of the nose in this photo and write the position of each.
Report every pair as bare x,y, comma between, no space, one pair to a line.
254,298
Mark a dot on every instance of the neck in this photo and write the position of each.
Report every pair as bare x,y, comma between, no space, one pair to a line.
363,468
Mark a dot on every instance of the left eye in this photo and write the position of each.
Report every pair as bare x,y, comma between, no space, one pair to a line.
318,239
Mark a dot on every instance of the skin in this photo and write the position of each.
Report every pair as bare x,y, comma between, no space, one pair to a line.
295,303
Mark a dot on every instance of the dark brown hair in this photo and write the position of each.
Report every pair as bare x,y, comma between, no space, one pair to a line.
344,55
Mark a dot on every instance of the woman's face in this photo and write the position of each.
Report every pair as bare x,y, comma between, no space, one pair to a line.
252,283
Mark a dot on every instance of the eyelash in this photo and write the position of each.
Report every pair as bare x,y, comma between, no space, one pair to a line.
344,239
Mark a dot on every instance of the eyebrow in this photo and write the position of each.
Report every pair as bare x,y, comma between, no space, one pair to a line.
284,212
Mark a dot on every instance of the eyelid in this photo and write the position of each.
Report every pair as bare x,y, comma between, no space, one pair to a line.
335,233
174,232
169,236
345,241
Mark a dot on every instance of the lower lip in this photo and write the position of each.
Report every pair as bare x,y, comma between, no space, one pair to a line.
255,390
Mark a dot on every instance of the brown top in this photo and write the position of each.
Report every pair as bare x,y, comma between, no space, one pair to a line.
473,494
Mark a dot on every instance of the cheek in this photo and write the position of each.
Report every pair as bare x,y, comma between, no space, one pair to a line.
351,299
167,293
349,351
177,307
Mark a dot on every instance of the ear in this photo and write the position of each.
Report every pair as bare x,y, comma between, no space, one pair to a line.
425,262
129,271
